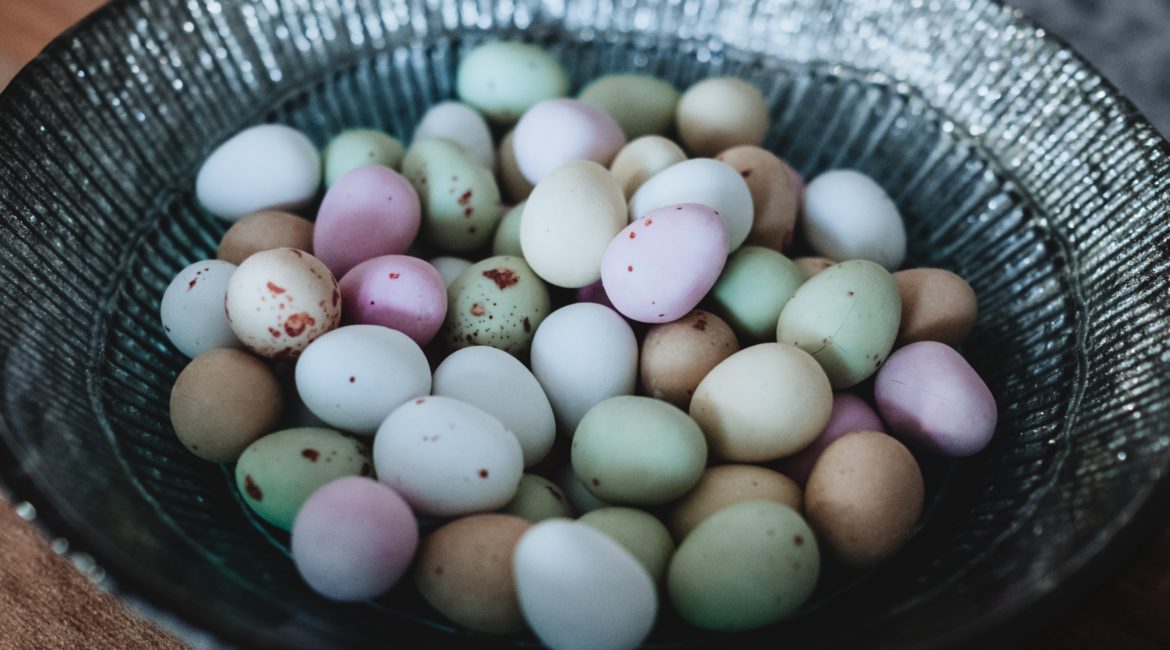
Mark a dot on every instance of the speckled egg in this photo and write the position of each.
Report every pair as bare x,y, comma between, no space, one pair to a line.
462,125
639,103
658,268
396,291
265,167
716,114
847,317
261,231
706,182
641,159
503,79
937,305
278,301
639,532
277,473
192,311
559,131
762,403
369,212
537,499
460,200
726,485
354,376
676,356
448,458
355,148
751,292
850,413
507,238
499,302
568,222
847,216
774,195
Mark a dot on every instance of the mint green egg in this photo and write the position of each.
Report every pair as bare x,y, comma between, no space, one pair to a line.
638,450
278,472
505,78
355,148
499,302
755,285
639,103
746,566
537,499
847,318
640,532
507,240
460,199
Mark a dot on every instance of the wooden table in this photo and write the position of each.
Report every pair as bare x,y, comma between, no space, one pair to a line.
1131,611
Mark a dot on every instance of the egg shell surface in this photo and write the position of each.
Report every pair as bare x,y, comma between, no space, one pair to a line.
261,231
850,413
676,356
355,148
192,311
507,237
847,216
537,499
719,113
503,79
449,268
752,290
397,291
498,301
460,200
937,305
369,212
462,125
513,185
559,131
640,104
579,496
641,159
639,532
725,485
706,182
264,167
775,199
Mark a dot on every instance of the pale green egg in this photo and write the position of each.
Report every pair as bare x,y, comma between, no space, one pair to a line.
459,196
847,318
505,78
639,103
278,472
507,240
755,285
355,148
640,532
746,566
499,302
538,499
638,450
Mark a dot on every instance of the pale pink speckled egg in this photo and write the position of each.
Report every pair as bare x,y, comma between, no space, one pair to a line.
850,413
353,539
932,398
396,291
558,131
658,268
368,212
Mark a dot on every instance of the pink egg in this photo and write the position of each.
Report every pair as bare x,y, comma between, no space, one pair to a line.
370,211
658,268
850,413
594,293
558,131
395,291
353,539
932,398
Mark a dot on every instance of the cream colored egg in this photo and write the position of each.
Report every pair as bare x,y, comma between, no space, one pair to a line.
719,113
643,158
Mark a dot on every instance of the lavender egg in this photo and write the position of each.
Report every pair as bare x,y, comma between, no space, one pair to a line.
559,131
370,211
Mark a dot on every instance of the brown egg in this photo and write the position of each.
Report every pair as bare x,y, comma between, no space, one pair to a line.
677,355
263,231
863,497
727,485
774,195
464,570
223,401
515,187
811,266
937,305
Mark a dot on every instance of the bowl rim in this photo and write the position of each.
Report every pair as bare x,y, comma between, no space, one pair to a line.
1111,549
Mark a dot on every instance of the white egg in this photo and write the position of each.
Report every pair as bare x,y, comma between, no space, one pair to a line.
500,385
266,167
580,589
583,354
192,308
706,182
847,216
579,496
280,300
462,125
447,458
450,268
354,376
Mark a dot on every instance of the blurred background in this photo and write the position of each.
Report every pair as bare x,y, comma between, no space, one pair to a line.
45,602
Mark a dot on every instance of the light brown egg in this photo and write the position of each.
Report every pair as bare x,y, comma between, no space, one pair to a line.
514,186
261,231
774,195
464,570
224,400
863,497
677,355
811,266
719,113
727,485
937,305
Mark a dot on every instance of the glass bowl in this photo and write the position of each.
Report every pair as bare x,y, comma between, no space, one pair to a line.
1013,162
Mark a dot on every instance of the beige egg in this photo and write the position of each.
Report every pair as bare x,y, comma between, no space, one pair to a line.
811,266
719,113
643,158
464,570
762,403
515,187
224,400
775,197
262,231
676,356
863,497
937,305
726,485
